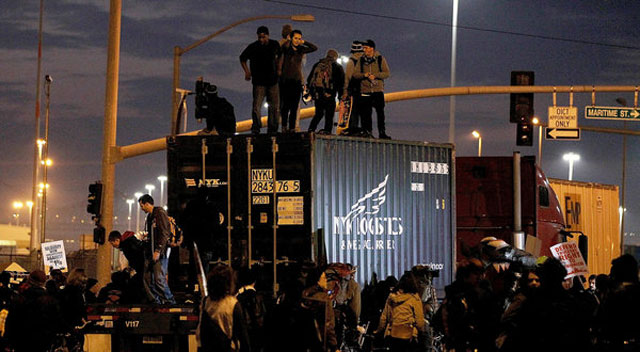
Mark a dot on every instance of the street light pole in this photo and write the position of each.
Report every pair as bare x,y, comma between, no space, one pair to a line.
452,99
178,52
150,188
477,135
137,195
571,158
130,203
162,180
536,121
45,157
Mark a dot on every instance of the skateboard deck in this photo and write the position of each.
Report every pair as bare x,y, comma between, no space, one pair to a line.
344,114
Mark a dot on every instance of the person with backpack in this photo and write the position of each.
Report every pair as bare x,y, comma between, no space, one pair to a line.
372,70
253,307
351,90
156,254
324,82
291,79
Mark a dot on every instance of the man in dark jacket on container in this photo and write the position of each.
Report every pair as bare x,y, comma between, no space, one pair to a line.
265,65
133,250
325,81
156,259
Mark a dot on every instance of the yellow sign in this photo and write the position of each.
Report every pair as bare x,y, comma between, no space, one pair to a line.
291,210
284,186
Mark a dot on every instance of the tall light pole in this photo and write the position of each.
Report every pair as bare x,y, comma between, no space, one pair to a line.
162,180
477,135
571,158
452,99
178,52
149,187
17,205
130,203
45,156
138,195
33,244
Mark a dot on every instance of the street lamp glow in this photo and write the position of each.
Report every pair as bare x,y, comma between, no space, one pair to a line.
477,135
41,185
571,158
535,120
47,162
150,188
130,203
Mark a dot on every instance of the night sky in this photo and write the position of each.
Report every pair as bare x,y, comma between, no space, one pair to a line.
565,42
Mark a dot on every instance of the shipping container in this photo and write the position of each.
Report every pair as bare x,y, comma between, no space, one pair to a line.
383,206
592,209
485,203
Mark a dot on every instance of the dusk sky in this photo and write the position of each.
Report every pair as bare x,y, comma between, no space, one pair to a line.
589,42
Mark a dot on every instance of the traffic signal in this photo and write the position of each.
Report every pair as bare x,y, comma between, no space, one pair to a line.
99,234
94,198
521,103
524,133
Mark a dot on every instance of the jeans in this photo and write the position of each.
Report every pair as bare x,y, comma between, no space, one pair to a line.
325,107
259,93
155,281
290,92
366,105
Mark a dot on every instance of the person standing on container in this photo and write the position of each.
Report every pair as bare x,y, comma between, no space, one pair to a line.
325,81
291,79
352,86
156,258
372,70
263,71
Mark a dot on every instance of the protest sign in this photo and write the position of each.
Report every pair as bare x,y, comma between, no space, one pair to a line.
569,255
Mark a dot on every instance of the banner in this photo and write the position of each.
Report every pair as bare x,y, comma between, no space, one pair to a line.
569,255
54,256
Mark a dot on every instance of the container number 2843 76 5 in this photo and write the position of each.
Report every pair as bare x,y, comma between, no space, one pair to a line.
283,186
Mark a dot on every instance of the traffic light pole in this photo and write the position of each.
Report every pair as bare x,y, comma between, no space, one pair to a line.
109,139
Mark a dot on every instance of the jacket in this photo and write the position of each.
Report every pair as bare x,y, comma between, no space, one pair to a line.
351,84
133,250
222,327
337,78
402,317
157,225
366,65
292,60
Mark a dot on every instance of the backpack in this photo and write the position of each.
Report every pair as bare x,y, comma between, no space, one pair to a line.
379,64
175,233
321,76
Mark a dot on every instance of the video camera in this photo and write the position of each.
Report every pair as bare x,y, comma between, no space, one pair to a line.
217,111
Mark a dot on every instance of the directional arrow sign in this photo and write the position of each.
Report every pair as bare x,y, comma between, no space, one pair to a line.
563,134
612,113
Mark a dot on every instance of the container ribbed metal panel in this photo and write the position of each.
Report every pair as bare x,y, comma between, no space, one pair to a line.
385,227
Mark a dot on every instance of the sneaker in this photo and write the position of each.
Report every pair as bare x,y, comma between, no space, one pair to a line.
383,136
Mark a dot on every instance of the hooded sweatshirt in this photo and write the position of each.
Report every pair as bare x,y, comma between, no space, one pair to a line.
402,317
366,65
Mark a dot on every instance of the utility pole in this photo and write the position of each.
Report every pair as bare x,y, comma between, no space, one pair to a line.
109,138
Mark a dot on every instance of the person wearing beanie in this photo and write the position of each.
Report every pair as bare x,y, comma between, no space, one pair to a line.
325,81
291,79
264,56
351,89
372,69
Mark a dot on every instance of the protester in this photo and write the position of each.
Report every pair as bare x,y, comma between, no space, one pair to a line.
74,307
325,82
264,56
402,319
222,325
253,307
156,258
372,70
352,87
291,78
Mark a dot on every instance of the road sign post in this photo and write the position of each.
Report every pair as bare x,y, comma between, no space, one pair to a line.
612,113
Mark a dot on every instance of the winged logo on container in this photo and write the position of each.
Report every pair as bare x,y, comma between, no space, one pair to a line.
378,195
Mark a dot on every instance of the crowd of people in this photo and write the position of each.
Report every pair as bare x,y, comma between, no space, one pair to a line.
502,299
275,71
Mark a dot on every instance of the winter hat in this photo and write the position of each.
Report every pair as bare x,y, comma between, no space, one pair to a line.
356,46
332,53
370,43
37,277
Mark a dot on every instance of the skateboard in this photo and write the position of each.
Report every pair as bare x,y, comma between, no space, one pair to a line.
344,114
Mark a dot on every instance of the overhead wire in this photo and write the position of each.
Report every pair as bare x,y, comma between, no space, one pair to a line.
449,25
